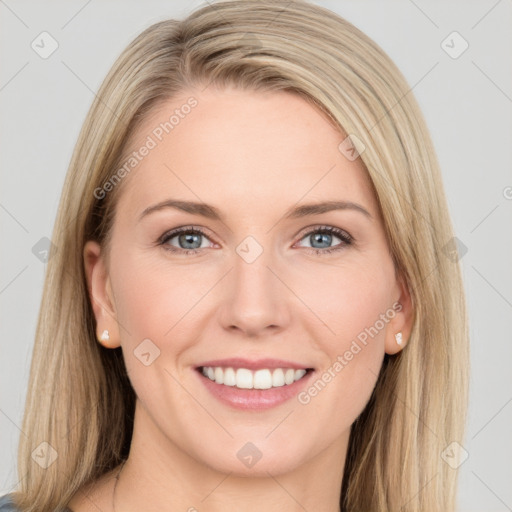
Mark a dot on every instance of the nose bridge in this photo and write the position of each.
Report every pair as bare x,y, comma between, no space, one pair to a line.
254,298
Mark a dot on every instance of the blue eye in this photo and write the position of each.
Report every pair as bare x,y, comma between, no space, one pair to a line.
190,238
323,236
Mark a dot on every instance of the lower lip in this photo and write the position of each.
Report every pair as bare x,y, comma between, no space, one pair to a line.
254,399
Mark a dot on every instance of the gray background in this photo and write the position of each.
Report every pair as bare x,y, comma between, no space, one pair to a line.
467,102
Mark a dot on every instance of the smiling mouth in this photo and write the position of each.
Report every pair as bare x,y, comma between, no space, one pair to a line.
244,378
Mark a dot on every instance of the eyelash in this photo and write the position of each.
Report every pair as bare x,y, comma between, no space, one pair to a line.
331,230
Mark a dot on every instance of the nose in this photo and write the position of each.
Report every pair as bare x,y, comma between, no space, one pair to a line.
255,300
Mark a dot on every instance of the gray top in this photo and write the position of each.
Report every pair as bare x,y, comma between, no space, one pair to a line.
6,505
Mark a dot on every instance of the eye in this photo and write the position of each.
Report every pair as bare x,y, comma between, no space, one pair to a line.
188,238
321,238
191,240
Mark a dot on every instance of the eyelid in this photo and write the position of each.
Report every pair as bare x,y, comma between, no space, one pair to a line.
171,233
322,227
346,238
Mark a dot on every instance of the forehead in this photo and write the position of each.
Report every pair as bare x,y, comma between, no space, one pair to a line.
253,149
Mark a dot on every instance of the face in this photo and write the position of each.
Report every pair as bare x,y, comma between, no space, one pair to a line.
254,282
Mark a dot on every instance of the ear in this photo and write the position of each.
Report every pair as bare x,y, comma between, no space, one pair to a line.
402,321
100,293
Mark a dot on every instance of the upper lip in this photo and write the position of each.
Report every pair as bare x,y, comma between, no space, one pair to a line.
257,364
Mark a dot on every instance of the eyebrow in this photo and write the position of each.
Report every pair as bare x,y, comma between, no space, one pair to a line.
213,213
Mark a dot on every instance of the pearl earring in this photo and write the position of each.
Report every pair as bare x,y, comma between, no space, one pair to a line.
398,338
105,336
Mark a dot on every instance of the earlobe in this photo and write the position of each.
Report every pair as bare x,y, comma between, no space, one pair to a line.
101,297
399,328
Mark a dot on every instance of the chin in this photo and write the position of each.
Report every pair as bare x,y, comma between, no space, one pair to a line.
252,461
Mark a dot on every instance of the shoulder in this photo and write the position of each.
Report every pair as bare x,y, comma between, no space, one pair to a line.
98,493
6,504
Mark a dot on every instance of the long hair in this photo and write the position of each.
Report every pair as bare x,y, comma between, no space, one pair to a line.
80,401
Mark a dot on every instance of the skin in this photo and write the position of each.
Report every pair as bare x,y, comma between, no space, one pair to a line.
252,155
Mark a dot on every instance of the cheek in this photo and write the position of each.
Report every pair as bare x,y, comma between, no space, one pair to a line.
160,302
150,298
349,299
152,301
354,303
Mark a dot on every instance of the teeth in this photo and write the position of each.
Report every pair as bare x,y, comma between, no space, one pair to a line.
278,378
262,379
243,378
229,377
219,375
299,374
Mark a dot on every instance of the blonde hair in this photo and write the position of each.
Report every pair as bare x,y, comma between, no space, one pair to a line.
80,400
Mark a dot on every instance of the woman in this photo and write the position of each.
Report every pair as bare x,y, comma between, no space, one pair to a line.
250,295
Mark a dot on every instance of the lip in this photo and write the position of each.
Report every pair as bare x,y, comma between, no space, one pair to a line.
254,399
259,364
